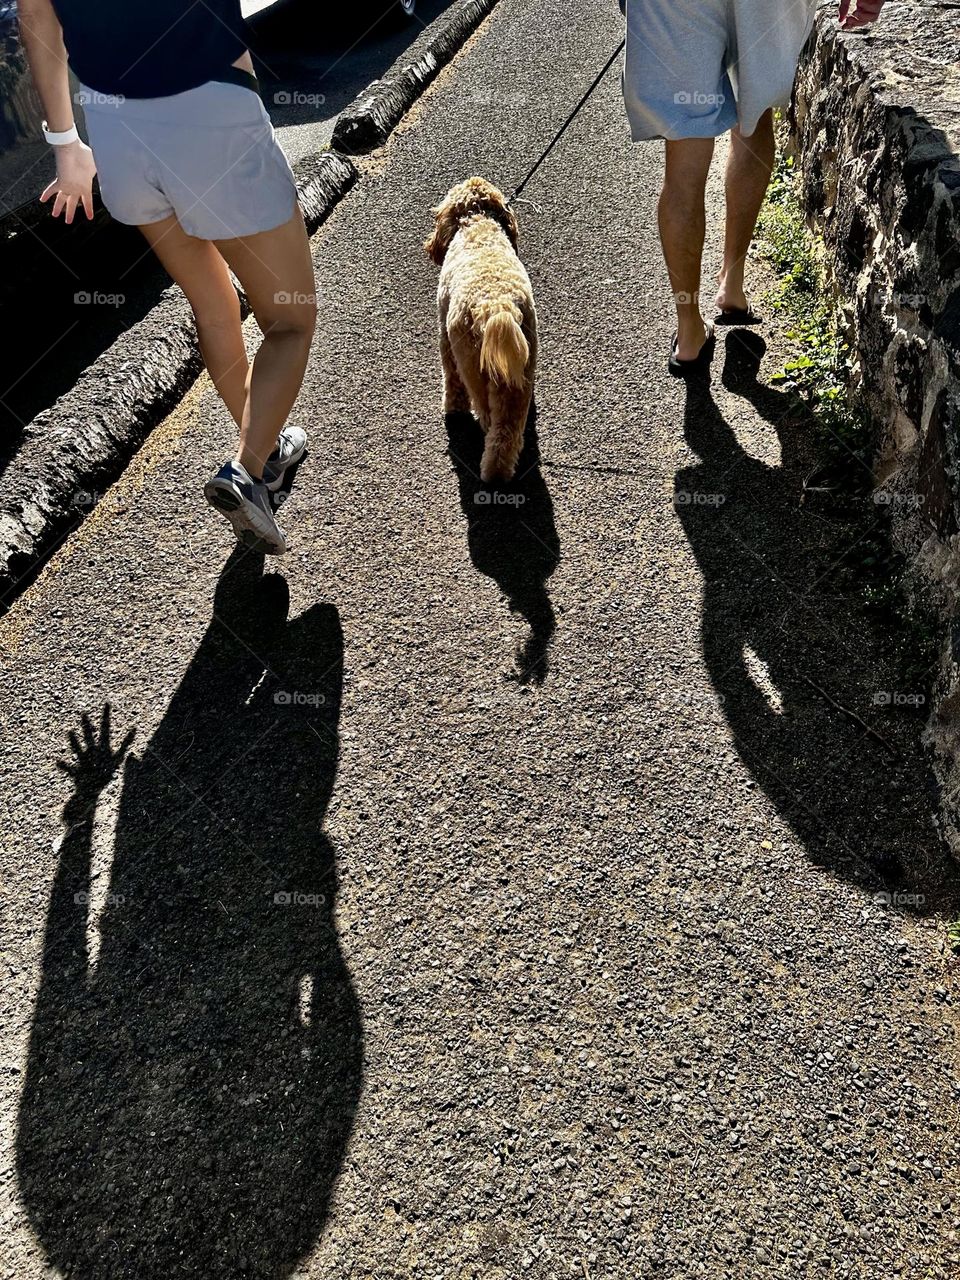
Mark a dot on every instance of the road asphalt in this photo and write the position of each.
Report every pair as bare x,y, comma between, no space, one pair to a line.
489,889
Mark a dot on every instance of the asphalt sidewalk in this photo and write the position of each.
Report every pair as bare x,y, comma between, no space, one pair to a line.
488,891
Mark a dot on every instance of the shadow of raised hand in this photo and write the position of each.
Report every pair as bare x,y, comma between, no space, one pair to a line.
188,1098
93,765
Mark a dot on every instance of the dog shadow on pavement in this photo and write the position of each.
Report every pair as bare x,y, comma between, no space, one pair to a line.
511,536
799,666
191,1083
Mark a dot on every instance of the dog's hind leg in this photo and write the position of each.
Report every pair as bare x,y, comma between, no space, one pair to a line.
455,397
509,409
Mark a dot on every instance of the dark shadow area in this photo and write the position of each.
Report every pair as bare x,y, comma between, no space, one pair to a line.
66,295
812,687
511,536
312,60
190,1090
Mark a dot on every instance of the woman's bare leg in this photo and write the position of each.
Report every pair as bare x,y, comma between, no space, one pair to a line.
202,274
276,272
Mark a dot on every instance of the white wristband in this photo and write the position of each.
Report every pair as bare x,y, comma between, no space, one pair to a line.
61,139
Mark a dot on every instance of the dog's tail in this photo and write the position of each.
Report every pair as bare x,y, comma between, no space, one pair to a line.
504,351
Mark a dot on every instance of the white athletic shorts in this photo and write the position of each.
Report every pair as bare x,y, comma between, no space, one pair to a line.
208,155
696,68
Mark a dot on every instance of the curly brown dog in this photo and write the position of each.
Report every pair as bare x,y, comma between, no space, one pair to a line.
488,323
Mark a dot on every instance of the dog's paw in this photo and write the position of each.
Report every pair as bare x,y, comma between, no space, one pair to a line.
498,464
496,473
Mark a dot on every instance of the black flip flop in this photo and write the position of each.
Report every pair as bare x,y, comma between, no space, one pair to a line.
700,362
737,315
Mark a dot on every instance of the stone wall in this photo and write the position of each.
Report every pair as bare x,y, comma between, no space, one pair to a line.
876,125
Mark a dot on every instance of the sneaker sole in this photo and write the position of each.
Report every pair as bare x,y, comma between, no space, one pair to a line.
225,499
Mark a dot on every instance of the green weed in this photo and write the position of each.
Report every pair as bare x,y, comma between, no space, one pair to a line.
817,374
818,371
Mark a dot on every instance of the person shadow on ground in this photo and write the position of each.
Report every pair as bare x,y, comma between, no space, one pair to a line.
805,678
511,536
196,1061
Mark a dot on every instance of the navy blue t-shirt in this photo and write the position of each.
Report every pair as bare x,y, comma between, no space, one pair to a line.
150,48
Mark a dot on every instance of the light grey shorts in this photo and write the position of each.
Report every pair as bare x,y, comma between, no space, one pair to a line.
209,155
696,68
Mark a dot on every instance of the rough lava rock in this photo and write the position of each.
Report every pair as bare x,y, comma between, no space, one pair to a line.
876,122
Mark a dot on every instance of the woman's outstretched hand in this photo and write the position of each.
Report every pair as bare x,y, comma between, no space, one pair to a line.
73,184
859,13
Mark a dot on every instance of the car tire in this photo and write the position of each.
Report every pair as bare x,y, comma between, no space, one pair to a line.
399,12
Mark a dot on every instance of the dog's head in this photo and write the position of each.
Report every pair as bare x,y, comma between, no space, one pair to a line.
471,199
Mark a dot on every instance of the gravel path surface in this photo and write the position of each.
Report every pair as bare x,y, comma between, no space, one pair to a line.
487,890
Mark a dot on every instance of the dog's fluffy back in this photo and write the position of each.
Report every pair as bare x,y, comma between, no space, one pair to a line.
486,292
487,319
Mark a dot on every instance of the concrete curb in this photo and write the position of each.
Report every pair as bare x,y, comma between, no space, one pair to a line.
87,437
369,120
322,182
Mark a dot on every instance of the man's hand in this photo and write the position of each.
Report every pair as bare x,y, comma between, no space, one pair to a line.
859,13
73,184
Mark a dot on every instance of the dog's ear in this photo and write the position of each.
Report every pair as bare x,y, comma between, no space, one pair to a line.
445,228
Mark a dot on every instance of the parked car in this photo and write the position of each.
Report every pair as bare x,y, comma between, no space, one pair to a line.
25,165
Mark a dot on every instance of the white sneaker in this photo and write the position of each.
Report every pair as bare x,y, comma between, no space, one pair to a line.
281,467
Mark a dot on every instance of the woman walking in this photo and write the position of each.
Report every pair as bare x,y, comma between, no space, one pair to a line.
185,150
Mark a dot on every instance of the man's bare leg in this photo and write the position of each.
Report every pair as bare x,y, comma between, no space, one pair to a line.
682,221
749,167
